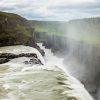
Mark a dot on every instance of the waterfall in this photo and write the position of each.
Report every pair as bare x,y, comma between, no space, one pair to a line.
34,81
50,58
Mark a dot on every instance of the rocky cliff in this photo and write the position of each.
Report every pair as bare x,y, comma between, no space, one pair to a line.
16,30
56,43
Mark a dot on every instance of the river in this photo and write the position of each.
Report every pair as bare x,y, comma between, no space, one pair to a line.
20,81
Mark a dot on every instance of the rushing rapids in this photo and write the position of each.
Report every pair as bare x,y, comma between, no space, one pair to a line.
23,79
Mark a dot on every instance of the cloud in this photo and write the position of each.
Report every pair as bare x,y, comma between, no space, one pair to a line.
52,9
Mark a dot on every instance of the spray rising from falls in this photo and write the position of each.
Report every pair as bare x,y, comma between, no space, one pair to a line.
28,77
83,54
50,58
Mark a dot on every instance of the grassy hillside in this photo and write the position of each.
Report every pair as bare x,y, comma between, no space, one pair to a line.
14,29
86,30
52,27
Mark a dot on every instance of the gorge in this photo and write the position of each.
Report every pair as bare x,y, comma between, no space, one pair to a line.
75,52
79,46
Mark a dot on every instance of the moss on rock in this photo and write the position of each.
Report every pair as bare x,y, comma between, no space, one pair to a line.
14,30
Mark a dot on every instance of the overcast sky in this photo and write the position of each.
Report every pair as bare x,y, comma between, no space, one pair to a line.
52,9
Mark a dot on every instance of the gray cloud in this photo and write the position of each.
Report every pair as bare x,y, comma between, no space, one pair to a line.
52,10
77,6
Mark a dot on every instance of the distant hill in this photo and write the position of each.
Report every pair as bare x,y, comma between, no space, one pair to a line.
51,27
82,26
85,26
87,30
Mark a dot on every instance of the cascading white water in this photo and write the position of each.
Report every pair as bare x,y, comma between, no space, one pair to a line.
50,58
20,81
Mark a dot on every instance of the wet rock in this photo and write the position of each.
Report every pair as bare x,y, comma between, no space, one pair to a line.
3,60
33,61
12,56
26,62
5,57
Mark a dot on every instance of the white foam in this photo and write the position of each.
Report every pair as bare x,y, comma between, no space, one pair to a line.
27,80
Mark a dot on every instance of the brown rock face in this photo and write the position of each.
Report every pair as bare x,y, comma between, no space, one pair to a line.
14,30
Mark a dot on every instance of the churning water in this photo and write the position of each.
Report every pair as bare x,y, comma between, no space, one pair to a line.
20,81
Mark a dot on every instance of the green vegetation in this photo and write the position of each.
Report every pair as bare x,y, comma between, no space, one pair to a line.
14,30
50,27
